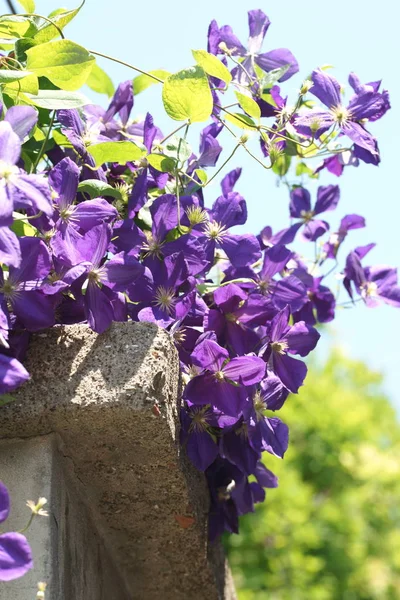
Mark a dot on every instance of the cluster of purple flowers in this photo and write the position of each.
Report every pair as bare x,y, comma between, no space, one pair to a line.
241,309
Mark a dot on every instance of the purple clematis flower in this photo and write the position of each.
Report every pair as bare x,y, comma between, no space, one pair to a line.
199,425
288,291
300,208
12,374
22,120
267,61
213,232
320,305
163,290
223,380
105,280
15,552
17,188
373,284
299,339
366,105
10,252
235,316
72,220
22,288
336,239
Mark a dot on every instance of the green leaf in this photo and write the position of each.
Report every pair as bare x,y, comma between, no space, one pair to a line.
177,148
272,77
162,163
27,5
10,76
58,99
21,46
142,82
95,188
61,18
212,65
202,175
249,105
187,95
281,165
21,226
6,399
303,169
63,62
99,81
15,27
28,84
61,139
242,121
115,152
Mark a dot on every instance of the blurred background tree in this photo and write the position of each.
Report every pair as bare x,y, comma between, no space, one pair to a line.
331,530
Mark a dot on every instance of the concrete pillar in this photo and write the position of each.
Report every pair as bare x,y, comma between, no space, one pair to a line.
96,432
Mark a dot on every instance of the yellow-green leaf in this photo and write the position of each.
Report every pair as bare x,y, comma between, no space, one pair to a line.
27,5
99,81
61,18
14,27
249,105
202,175
10,76
57,99
242,121
187,95
212,65
61,139
95,188
142,82
21,225
162,163
29,85
115,152
63,62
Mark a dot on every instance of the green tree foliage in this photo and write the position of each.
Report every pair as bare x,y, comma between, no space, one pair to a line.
331,531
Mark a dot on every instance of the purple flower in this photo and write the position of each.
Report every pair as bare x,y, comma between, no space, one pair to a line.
72,220
223,380
235,317
373,284
365,105
104,280
15,552
17,189
336,239
299,339
22,288
267,61
213,232
198,435
300,208
12,374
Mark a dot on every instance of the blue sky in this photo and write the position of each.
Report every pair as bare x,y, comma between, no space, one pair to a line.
351,35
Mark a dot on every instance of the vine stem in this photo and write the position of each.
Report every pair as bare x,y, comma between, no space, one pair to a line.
172,133
11,7
36,15
122,62
223,165
46,139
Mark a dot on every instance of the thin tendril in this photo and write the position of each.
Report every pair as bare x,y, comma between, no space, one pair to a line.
121,62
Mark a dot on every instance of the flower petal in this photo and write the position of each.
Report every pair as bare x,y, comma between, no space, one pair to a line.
246,370
15,556
276,59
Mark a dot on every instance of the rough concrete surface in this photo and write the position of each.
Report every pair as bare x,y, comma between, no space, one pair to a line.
129,513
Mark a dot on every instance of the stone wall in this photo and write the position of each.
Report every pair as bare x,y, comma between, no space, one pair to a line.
96,432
